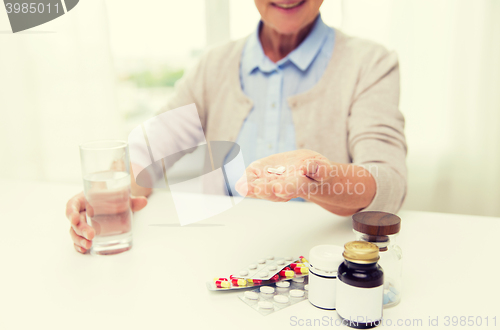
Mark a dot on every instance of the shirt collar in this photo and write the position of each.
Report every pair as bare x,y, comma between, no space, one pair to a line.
302,56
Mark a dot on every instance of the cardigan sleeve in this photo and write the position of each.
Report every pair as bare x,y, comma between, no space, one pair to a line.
376,139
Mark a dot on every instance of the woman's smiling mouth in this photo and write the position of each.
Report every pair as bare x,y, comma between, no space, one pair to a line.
288,5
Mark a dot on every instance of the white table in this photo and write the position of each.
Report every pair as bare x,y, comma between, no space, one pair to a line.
450,265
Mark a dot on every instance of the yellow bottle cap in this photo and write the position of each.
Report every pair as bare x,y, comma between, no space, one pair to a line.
361,252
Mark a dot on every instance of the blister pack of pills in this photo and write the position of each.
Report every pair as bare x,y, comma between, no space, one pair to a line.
276,269
265,269
234,283
270,299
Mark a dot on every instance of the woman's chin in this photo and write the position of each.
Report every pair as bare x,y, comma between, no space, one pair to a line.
287,29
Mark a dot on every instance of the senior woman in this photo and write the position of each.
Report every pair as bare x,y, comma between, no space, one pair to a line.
303,95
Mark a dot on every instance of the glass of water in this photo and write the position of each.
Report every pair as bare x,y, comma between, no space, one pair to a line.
106,182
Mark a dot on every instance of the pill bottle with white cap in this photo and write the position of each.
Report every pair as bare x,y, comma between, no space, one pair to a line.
360,286
382,229
324,263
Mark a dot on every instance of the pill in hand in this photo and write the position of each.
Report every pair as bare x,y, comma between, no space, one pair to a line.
281,170
278,171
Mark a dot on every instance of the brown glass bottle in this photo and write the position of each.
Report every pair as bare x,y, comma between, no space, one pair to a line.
360,280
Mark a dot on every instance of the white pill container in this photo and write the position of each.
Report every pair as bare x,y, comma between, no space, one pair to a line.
324,263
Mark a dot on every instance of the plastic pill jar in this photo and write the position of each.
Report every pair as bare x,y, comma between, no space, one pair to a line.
324,263
360,286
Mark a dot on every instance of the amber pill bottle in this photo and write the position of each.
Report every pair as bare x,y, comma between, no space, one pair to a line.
360,286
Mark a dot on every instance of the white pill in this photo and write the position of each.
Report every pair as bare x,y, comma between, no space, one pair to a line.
298,279
289,258
270,257
261,261
266,304
281,170
280,262
263,273
266,289
251,295
271,170
252,266
296,293
283,284
281,299
272,267
306,287
243,272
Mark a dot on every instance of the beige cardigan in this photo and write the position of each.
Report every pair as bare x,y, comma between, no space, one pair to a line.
350,116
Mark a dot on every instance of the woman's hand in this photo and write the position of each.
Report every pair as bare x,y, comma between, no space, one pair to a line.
303,168
81,233
343,189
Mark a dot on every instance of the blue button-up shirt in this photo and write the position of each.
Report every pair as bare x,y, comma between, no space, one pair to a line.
269,127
